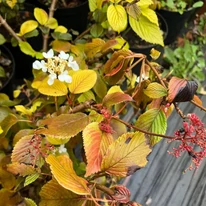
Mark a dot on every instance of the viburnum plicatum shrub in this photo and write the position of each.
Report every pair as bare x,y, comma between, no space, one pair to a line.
65,139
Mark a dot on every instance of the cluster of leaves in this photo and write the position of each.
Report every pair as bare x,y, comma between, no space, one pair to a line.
118,14
187,61
180,5
60,120
9,8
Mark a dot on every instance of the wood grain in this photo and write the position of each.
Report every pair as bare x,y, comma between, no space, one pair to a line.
162,182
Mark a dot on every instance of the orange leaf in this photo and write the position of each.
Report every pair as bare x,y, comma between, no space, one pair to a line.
24,151
116,98
197,100
126,155
58,46
175,85
63,126
62,169
96,143
21,169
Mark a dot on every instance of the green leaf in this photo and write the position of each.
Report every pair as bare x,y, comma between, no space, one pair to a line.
126,155
62,36
29,202
100,88
117,17
2,72
198,4
31,178
33,33
62,169
96,30
27,49
147,30
2,39
7,123
63,126
153,120
155,90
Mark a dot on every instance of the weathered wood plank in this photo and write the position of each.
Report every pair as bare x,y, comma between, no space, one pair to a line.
162,182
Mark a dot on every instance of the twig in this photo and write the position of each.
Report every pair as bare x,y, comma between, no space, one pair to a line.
179,111
82,106
143,131
198,105
82,34
51,14
9,29
156,73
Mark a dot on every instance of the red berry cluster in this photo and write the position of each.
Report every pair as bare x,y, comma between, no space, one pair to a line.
193,140
105,113
105,127
38,148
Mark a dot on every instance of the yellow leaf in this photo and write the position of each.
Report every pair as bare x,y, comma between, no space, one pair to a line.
53,194
121,43
28,26
30,111
94,47
56,141
62,169
61,29
16,93
114,89
117,17
150,14
147,30
41,16
58,88
82,81
52,23
27,49
125,155
144,3
1,130
11,3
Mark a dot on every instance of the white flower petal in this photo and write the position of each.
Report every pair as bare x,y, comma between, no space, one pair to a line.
37,65
49,54
63,55
44,68
51,79
62,149
68,79
73,65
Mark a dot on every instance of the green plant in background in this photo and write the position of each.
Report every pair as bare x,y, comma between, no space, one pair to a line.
180,5
187,61
198,30
120,14
10,8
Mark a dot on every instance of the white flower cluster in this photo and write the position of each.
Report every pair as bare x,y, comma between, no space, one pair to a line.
57,66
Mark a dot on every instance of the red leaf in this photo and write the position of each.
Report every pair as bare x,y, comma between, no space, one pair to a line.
116,98
175,85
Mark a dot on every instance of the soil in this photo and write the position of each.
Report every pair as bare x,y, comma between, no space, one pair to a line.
65,3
